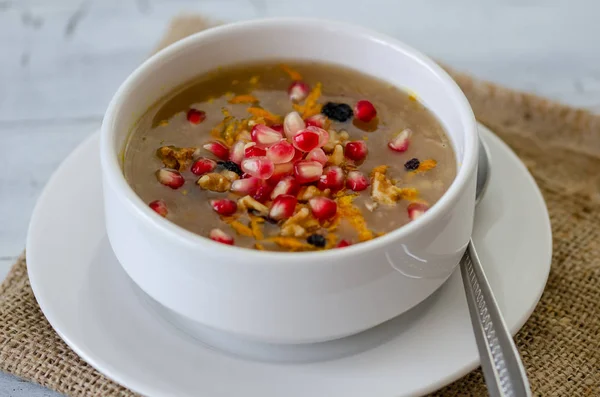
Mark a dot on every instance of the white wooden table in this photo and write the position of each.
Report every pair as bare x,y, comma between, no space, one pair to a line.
61,60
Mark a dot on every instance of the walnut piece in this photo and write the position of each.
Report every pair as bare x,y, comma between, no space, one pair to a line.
248,203
178,158
292,230
232,176
337,157
382,190
214,182
308,192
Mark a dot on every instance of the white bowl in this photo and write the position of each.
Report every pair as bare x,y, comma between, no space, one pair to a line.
289,297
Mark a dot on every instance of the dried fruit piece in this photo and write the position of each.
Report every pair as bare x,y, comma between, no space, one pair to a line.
298,91
283,207
260,167
292,124
306,140
251,203
254,151
401,141
318,120
356,150
323,135
214,182
220,236
317,155
412,164
286,185
160,207
415,210
231,166
364,111
322,207
203,165
237,152
218,149
281,152
332,178
195,116
317,240
357,181
307,171
224,207
337,111
246,186
343,243
170,178
263,135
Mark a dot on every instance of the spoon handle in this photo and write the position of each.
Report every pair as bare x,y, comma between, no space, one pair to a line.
500,361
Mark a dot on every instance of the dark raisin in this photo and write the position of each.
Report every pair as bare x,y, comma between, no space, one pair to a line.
317,240
412,164
231,166
337,111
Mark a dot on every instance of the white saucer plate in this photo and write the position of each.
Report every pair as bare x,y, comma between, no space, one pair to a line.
99,313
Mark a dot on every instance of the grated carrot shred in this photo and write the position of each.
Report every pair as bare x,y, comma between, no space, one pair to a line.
408,193
294,75
241,229
382,169
290,243
255,223
355,217
310,107
243,99
260,112
259,246
427,165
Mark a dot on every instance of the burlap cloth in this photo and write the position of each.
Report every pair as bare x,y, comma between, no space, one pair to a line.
560,343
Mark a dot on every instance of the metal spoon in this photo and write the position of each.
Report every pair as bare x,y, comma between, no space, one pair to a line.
500,361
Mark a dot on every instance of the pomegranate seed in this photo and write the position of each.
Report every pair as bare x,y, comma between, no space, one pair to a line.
306,140
263,193
364,111
323,135
292,124
297,156
357,181
160,207
237,152
318,120
287,185
280,171
415,210
263,135
195,116
332,178
322,207
220,236
281,152
170,178
254,151
298,91
283,207
343,243
224,207
356,150
218,149
307,171
246,186
259,167
202,166
317,155
278,128
401,142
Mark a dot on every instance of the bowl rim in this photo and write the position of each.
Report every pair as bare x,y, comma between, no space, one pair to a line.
113,173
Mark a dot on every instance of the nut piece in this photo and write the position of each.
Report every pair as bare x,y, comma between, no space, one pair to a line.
337,157
178,158
214,182
383,191
248,203
292,230
308,192
232,176
371,206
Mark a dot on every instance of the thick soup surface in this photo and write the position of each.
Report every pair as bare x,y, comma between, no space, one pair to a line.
289,157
